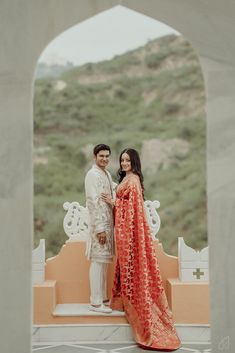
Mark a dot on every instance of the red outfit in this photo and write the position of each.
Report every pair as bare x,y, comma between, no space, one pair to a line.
138,287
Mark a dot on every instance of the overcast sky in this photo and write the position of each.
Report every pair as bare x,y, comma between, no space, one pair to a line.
103,36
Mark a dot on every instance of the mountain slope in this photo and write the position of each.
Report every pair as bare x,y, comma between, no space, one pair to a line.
151,98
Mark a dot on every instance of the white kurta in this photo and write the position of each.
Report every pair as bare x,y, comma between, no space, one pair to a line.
100,214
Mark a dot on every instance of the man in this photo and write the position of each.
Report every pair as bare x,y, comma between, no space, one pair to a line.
100,246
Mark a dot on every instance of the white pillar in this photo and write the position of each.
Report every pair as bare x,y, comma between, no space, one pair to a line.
221,202
16,217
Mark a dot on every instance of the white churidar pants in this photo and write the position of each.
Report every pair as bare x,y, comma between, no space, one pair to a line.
98,282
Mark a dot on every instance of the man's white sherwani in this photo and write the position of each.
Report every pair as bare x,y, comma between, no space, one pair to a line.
100,214
99,181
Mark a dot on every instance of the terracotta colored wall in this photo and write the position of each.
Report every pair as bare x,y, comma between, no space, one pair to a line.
70,269
67,281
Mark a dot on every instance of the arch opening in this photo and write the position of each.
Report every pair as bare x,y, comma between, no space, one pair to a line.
129,97
151,98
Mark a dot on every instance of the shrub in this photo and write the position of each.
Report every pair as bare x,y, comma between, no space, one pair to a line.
154,60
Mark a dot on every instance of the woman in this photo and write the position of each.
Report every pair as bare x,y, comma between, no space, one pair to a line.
138,287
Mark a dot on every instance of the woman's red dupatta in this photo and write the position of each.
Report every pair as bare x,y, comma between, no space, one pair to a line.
138,287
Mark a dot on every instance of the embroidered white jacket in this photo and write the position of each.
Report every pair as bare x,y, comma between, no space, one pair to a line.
97,181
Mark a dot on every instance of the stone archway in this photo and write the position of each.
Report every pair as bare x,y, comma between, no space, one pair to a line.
32,25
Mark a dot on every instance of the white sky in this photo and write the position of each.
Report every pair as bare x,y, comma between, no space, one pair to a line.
103,36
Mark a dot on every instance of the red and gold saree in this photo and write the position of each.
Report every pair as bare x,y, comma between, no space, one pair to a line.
138,288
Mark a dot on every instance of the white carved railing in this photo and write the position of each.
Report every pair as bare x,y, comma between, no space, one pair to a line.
193,264
76,220
153,216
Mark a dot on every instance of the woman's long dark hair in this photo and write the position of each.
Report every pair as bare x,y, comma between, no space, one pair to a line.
135,166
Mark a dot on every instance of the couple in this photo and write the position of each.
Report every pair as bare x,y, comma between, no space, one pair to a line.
137,287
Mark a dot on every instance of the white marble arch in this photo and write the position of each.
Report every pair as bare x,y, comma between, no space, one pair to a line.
26,27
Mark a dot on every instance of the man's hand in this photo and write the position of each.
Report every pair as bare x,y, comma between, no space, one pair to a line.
101,238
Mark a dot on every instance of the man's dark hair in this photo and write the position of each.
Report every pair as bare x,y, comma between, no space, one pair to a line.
101,147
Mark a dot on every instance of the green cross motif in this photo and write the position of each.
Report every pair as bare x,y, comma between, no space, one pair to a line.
198,273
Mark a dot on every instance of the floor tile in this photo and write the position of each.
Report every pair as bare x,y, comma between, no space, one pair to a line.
112,348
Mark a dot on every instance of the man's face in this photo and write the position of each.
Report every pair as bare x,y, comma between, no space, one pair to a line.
102,158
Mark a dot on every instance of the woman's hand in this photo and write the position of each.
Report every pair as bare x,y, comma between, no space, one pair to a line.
107,198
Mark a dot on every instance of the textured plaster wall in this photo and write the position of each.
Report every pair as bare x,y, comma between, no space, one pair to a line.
26,27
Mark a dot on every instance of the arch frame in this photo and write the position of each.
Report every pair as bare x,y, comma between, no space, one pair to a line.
26,28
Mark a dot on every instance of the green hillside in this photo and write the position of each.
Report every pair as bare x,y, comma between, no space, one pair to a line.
152,96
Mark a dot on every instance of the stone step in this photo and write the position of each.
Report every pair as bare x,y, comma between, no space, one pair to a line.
81,310
76,323
112,333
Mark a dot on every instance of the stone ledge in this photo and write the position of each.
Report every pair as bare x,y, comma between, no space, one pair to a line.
81,310
189,301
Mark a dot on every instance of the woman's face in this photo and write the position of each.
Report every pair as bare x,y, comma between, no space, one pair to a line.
125,162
